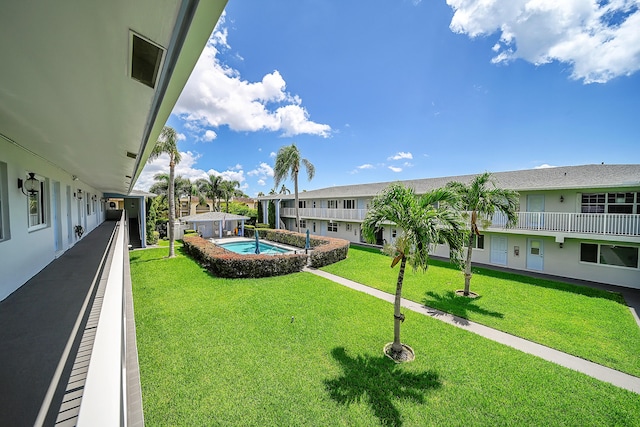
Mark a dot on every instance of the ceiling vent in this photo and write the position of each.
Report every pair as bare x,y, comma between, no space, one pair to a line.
146,58
131,155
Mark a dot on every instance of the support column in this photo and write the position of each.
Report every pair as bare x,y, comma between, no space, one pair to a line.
265,212
242,227
277,202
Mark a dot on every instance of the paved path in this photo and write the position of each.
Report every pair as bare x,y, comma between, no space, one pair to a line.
594,370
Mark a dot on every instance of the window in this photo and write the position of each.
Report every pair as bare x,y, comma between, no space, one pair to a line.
478,241
303,223
348,227
618,203
622,256
394,232
314,204
36,205
333,226
302,204
332,204
314,226
349,204
87,197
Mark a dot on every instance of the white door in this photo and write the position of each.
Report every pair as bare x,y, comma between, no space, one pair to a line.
69,221
499,250
535,205
57,221
535,254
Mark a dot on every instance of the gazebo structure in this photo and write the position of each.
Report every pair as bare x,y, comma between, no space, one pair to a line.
216,224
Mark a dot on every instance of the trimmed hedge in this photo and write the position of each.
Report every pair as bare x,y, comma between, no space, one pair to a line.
325,250
224,263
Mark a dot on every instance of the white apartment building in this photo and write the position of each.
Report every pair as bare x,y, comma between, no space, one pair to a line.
580,222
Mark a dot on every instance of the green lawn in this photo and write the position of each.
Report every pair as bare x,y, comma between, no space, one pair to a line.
589,323
301,350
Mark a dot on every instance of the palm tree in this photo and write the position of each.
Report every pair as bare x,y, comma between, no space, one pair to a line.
479,199
288,162
424,220
168,143
229,189
210,188
184,188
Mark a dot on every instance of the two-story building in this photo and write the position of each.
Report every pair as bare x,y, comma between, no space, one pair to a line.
580,222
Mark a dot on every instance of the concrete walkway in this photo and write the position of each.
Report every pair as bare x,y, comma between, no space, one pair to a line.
594,370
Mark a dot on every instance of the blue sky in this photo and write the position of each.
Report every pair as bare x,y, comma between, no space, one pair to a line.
392,90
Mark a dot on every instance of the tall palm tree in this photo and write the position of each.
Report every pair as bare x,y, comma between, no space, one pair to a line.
288,161
481,200
424,221
183,188
229,189
168,143
210,188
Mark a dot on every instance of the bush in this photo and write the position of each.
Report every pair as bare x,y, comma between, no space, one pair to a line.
262,225
224,263
152,239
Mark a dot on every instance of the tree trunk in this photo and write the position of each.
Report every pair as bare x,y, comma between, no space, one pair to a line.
397,345
172,209
467,265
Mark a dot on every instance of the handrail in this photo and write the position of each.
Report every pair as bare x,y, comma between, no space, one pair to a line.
555,222
104,398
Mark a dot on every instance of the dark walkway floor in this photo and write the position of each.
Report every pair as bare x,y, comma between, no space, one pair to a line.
36,322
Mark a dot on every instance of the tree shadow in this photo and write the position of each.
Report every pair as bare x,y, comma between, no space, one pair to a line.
378,380
457,305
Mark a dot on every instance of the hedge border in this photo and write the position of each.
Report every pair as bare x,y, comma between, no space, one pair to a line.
224,263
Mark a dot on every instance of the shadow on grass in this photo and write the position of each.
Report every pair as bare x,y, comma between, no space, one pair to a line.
457,305
141,255
379,381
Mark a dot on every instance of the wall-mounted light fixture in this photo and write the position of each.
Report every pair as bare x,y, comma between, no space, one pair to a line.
561,199
561,245
79,194
31,185
94,198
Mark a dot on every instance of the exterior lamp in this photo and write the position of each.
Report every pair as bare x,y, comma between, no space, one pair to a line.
561,199
31,185
79,194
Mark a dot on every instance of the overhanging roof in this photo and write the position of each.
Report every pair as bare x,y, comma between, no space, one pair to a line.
213,216
66,94
558,178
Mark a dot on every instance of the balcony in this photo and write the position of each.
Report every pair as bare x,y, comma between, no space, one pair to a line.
552,223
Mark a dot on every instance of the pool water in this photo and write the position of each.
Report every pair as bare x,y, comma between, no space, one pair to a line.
249,248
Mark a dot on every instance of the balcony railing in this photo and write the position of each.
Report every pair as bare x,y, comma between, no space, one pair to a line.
556,222
325,213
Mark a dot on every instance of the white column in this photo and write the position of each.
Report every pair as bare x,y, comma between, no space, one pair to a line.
277,202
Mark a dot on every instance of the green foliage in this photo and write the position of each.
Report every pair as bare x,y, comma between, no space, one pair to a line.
301,350
272,214
151,233
559,315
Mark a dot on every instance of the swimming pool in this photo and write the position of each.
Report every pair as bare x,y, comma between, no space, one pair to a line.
249,248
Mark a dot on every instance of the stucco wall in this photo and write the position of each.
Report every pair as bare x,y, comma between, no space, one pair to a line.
27,252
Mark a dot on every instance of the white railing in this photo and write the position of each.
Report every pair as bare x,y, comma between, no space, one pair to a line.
560,222
104,398
325,213
584,223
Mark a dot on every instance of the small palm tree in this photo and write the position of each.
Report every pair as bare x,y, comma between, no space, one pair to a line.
288,161
479,199
229,189
210,188
425,221
168,143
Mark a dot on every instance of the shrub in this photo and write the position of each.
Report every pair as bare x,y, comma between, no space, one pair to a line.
224,263
152,239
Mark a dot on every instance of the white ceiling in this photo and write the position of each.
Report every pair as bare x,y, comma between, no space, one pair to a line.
65,89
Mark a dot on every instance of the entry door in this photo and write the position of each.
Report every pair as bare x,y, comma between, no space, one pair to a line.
535,254
57,221
535,203
499,250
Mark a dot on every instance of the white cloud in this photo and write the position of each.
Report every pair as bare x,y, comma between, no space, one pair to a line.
401,155
216,95
262,182
186,169
394,169
544,166
365,166
600,40
408,165
262,171
181,137
209,135
272,154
